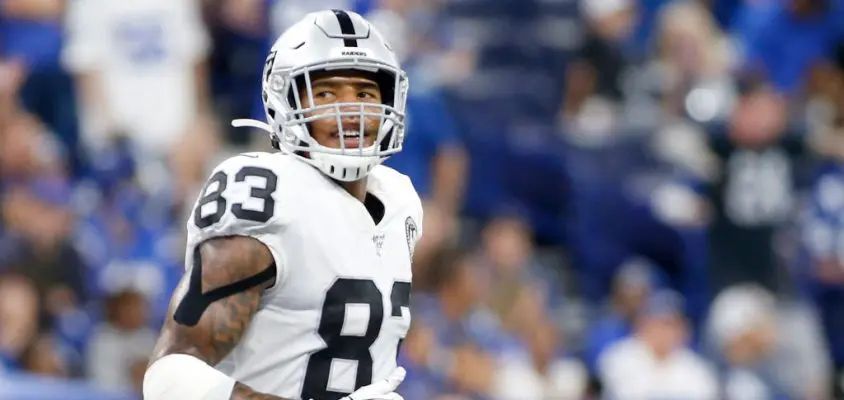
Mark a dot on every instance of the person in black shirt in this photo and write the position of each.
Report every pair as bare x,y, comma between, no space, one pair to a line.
603,57
755,194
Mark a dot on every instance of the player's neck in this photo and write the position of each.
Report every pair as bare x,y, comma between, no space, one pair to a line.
356,188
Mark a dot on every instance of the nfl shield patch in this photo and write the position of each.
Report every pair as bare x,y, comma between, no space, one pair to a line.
411,232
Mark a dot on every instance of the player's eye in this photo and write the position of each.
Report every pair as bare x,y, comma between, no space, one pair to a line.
367,96
323,94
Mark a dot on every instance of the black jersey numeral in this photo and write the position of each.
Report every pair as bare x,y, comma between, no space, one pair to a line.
215,192
351,348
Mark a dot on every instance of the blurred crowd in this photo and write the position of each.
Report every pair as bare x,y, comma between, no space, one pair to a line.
624,199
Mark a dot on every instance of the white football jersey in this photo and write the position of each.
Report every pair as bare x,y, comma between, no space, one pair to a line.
335,317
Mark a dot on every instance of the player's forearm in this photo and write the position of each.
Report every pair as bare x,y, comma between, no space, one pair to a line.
209,314
243,392
203,321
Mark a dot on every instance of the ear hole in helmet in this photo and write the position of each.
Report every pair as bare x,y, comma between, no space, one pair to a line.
291,97
386,82
273,140
302,143
385,144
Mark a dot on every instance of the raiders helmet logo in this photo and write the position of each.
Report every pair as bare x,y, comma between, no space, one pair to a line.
268,66
411,231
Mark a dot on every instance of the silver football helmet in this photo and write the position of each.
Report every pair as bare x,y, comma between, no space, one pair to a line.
325,41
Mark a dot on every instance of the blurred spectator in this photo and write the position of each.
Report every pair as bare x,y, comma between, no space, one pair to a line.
443,234
122,340
31,36
822,270
509,265
188,168
130,231
137,372
35,214
543,373
769,350
632,286
681,148
692,61
433,155
42,357
755,193
655,362
825,110
598,71
435,52
780,41
19,307
39,227
459,335
435,159
140,69
28,152
11,77
599,210
245,17
675,193
34,219
424,360
239,32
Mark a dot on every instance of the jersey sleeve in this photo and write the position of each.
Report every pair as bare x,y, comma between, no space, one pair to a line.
242,197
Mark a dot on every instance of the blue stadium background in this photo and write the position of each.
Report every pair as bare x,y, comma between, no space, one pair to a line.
594,170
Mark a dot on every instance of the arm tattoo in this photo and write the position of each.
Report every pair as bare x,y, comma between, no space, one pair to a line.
225,322
221,326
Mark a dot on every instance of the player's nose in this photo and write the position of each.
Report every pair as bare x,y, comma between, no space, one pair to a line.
350,114
350,119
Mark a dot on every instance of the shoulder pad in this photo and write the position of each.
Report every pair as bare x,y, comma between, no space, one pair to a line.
393,179
242,193
243,197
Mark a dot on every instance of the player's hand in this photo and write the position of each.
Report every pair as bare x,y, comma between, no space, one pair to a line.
381,390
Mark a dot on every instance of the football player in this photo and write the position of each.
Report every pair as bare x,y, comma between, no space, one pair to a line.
298,262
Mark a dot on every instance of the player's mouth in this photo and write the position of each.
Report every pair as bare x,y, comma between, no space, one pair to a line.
351,139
